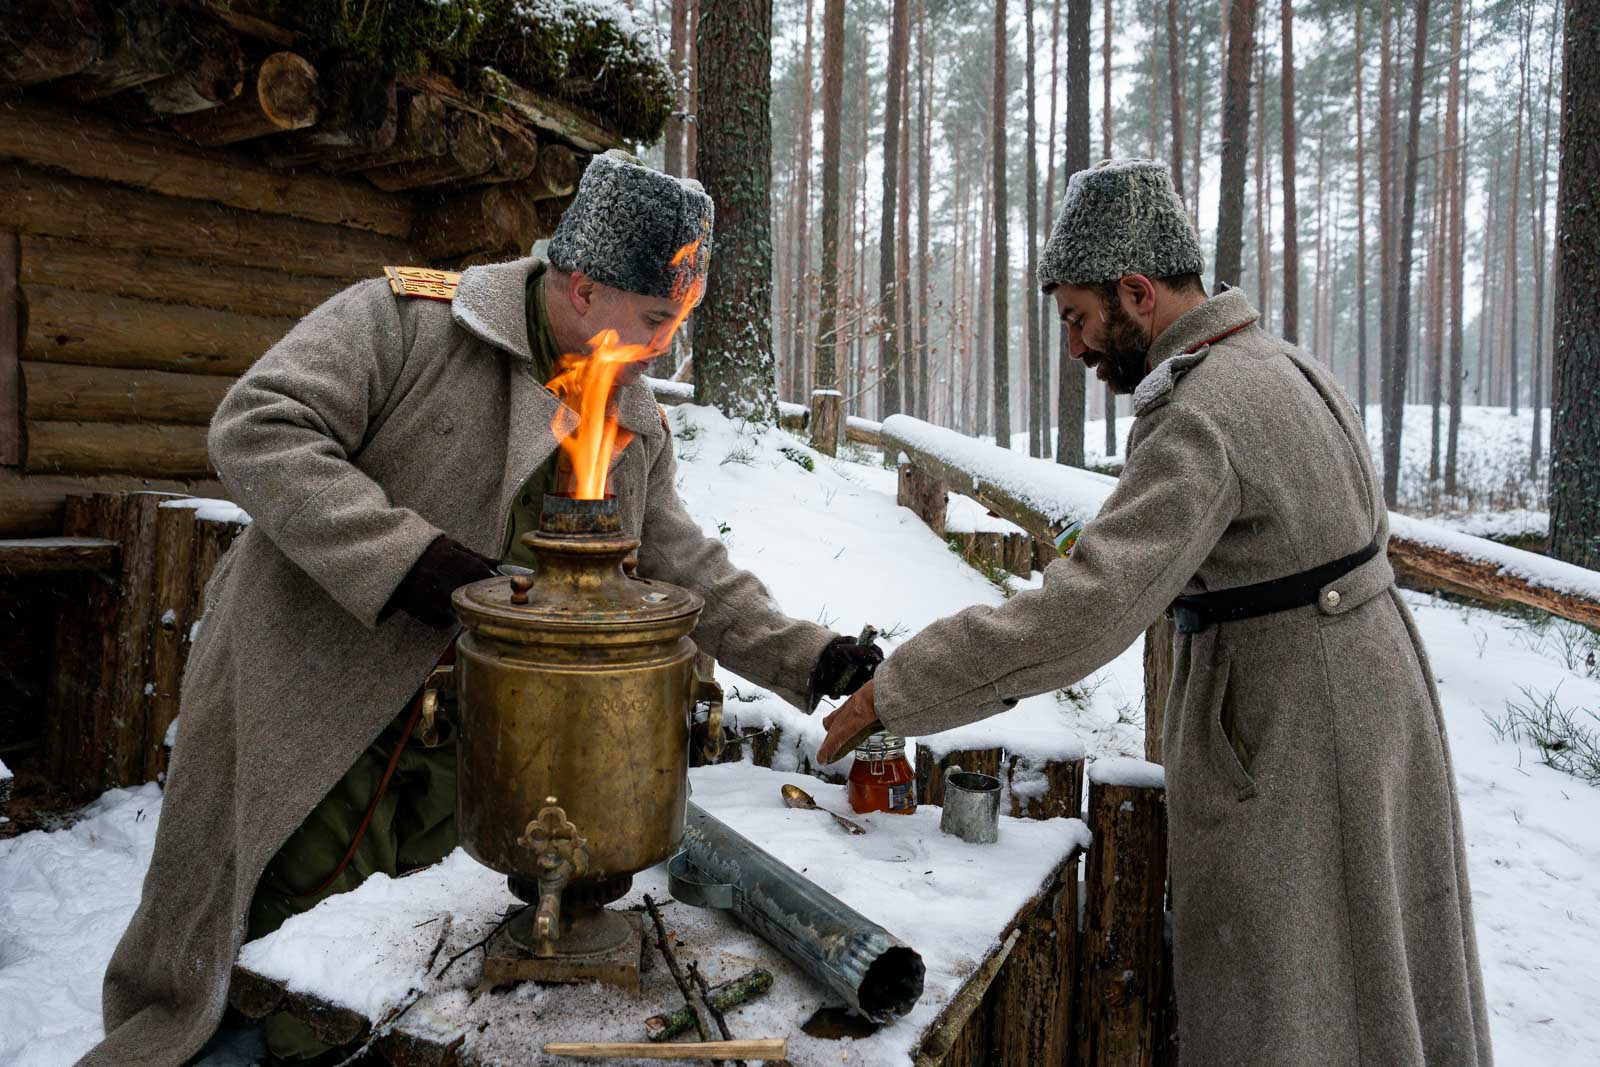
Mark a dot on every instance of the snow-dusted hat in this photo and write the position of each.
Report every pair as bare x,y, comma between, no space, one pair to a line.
1120,217
628,222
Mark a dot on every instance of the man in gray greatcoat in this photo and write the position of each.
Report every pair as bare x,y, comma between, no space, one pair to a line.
389,449
1321,912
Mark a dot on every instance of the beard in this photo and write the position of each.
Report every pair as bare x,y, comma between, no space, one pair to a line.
1120,361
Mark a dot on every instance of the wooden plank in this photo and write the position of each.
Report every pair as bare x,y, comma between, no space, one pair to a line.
549,114
53,555
96,329
1034,990
759,1049
11,330
90,268
83,143
48,39
1157,684
121,707
35,505
172,613
1424,564
282,96
40,202
84,662
64,392
155,450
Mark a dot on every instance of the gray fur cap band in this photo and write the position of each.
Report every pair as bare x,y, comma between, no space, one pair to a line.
1120,217
626,224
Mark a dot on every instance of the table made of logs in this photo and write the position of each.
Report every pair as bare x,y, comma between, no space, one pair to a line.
993,924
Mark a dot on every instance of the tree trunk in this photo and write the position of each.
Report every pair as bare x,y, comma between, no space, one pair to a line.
1393,418
888,320
1291,236
1361,230
678,63
733,346
1105,92
826,374
1175,95
1386,229
924,191
1072,384
902,253
1030,291
1235,142
1543,197
799,282
1263,246
1575,398
1458,249
1002,257
691,141
1513,264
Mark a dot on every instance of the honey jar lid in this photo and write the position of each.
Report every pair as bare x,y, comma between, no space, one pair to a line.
881,745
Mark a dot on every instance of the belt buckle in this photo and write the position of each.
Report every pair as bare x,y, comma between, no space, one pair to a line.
1186,620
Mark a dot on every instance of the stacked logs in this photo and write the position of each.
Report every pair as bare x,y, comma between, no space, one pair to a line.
123,637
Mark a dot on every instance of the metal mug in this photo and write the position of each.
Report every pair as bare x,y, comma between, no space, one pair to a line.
971,806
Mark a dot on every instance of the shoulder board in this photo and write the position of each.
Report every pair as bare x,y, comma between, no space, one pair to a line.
423,282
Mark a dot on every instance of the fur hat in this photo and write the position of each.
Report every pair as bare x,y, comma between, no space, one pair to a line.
628,222
1120,217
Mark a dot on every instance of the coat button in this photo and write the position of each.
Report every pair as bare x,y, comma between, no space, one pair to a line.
1331,598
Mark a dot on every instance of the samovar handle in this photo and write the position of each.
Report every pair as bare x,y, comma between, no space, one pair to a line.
708,691
441,680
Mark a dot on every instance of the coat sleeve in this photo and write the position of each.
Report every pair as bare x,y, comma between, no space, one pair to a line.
284,438
741,625
1174,500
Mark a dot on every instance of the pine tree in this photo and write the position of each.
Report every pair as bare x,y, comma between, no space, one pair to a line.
1361,229
1030,297
800,293
1175,94
1235,142
888,344
826,374
1291,235
1541,193
1072,394
1002,259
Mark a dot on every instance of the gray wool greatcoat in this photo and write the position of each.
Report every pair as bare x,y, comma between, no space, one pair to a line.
1321,913
377,423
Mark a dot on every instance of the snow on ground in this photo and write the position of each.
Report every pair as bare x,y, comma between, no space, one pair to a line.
832,546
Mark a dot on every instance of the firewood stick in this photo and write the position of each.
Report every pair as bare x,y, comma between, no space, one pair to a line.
767,1048
724,996
677,970
717,1017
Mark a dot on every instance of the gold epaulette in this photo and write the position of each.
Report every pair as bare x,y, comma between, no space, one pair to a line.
423,281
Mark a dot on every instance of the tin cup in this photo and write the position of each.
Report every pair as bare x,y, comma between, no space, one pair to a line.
971,806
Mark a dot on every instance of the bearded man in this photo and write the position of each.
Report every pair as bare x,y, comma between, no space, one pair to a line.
391,448
1320,905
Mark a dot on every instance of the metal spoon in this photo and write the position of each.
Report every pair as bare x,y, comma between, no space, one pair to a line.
795,797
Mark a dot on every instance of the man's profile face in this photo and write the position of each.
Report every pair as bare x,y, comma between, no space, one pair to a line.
1102,334
637,319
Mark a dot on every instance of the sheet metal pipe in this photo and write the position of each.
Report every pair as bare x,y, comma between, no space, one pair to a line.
878,975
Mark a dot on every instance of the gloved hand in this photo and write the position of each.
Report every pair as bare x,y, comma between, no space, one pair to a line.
443,567
844,666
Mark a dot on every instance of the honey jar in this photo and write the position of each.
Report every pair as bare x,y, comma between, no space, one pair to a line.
881,778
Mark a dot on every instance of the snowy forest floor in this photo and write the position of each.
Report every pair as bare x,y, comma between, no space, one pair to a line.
832,545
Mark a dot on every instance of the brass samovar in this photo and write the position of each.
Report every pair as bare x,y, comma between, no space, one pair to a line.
575,686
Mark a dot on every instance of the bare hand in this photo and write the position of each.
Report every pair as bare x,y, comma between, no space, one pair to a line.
849,725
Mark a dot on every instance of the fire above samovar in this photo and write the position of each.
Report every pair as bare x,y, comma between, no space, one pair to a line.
576,686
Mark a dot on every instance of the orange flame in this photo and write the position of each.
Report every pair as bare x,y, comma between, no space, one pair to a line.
586,382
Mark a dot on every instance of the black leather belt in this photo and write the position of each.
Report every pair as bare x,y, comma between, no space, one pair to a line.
1191,614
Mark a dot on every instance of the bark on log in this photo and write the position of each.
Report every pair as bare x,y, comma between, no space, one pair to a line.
211,540
213,75
550,115
66,326
516,154
1157,684
1017,554
120,714
490,218
85,657
283,96
359,117
1034,991
997,498
43,40
930,770
1062,797
64,392
173,612
827,420
420,133
34,505
140,41
12,316
92,268
152,450
1426,565
52,555
144,222
1126,890
926,497
470,153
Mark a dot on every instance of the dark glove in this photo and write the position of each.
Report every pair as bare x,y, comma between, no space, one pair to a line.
444,566
844,666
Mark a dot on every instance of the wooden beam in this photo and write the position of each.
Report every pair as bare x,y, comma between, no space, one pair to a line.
469,153
154,450
212,76
80,142
12,327
489,218
282,97
94,268
549,114
46,40
64,392
140,41
54,555
1488,578
172,613
66,326
33,505
359,117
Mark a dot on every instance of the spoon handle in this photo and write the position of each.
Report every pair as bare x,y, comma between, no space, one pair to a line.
850,827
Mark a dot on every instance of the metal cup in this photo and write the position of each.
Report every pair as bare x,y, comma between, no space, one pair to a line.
971,806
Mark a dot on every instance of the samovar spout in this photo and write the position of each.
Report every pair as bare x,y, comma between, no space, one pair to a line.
560,855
